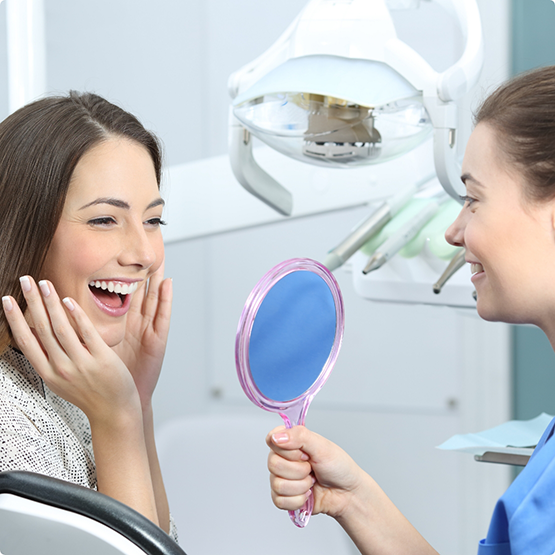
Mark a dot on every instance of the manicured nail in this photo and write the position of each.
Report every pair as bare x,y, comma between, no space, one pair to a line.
25,283
70,306
280,438
308,493
44,288
7,304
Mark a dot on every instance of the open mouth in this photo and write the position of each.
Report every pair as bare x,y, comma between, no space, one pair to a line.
112,296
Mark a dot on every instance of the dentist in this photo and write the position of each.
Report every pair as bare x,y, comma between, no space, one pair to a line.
507,226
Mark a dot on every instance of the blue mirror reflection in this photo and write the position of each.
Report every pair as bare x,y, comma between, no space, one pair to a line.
292,336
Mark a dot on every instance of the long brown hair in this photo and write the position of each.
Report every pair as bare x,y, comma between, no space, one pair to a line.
522,114
40,146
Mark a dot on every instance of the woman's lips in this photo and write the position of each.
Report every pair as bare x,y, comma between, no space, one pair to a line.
112,298
477,270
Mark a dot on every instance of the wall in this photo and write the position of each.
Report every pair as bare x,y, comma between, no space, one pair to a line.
533,45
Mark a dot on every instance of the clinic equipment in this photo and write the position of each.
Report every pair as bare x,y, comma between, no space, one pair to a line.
41,514
287,342
340,89
367,229
402,236
457,262
371,225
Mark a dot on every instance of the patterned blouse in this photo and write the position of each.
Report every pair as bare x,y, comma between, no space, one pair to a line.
41,432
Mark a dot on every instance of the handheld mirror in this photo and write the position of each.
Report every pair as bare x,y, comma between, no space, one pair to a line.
288,339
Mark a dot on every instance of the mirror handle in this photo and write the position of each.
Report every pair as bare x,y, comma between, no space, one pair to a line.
301,516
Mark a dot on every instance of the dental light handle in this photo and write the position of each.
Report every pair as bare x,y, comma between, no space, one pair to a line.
368,228
250,175
463,75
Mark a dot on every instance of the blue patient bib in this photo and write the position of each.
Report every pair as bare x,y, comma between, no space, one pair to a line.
523,522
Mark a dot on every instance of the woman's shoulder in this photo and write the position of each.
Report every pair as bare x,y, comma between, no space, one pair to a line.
16,372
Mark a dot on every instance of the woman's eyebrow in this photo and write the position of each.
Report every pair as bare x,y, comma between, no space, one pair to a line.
121,203
468,177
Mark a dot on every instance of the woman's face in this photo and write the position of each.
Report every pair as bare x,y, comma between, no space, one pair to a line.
509,240
108,241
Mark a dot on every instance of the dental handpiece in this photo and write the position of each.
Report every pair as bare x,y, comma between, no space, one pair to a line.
369,227
402,236
457,262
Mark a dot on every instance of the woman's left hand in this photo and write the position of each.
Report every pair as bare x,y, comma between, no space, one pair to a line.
148,321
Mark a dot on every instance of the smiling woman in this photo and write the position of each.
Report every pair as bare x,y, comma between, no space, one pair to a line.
507,227
86,309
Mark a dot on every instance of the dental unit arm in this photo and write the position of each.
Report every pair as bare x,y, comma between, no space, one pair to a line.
333,87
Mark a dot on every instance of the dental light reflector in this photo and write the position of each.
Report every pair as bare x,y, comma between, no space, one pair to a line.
328,131
331,110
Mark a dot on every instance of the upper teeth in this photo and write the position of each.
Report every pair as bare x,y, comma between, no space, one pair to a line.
475,268
123,288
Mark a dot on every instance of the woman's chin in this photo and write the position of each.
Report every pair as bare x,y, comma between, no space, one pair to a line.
112,338
507,313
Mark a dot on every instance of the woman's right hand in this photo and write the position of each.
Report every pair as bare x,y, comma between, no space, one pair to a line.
74,361
299,460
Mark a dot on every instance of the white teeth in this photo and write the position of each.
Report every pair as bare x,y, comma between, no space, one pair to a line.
116,287
475,268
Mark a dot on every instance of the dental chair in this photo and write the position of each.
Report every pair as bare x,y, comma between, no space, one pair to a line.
39,514
216,477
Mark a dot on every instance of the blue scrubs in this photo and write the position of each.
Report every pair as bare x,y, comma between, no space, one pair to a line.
523,522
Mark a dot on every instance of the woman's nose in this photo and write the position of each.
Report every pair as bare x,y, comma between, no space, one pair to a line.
455,232
138,249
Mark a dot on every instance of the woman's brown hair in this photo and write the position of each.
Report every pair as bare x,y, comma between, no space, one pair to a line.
522,114
40,146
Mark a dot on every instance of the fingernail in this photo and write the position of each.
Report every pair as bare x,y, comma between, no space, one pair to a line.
280,438
44,288
304,457
7,304
69,304
308,493
25,283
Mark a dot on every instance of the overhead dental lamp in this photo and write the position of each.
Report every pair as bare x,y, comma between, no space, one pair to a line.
339,89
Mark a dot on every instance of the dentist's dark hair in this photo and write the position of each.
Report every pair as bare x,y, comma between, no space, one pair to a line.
40,146
522,114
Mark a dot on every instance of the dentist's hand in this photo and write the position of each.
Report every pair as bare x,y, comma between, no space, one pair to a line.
146,334
301,459
74,361
342,490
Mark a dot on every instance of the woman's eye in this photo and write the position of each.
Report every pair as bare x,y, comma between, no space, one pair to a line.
467,200
155,222
106,221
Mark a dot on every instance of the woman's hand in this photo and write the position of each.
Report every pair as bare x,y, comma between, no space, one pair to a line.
73,360
300,459
146,334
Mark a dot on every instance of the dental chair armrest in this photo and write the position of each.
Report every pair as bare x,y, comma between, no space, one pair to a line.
92,504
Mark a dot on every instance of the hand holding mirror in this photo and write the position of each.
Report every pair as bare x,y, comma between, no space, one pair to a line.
288,339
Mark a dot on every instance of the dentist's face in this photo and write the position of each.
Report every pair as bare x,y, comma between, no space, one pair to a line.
509,239
108,241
